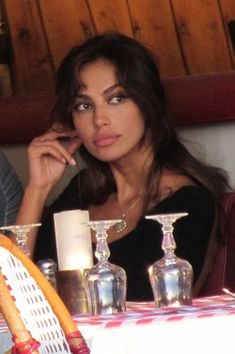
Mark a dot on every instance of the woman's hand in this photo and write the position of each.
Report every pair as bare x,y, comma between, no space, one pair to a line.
48,158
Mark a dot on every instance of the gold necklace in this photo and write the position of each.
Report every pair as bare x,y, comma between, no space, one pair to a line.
121,226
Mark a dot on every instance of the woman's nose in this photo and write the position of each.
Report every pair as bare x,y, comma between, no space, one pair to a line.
100,117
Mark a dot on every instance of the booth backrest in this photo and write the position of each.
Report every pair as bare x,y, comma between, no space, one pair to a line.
228,230
197,99
223,272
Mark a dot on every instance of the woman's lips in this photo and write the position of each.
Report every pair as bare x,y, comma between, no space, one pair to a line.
105,140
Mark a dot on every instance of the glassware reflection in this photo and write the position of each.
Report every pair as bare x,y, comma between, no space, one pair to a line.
170,277
48,267
21,235
105,282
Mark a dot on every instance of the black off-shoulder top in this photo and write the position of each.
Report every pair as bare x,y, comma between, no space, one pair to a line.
136,251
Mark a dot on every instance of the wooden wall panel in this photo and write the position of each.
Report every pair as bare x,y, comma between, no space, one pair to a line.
32,66
5,80
111,16
187,36
228,15
202,36
156,30
67,23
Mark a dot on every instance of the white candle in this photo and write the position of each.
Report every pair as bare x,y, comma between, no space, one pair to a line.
73,240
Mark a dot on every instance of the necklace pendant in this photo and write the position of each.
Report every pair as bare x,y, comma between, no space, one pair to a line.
120,226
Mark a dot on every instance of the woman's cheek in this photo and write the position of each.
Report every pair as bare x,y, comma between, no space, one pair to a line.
84,139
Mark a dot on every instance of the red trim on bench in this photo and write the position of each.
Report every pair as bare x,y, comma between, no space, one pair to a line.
24,116
196,99
202,99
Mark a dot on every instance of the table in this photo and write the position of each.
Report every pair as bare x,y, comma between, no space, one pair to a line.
206,327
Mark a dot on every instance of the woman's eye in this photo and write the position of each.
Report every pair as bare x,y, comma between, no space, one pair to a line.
82,107
117,99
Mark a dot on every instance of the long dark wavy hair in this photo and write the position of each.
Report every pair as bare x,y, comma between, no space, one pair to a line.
138,74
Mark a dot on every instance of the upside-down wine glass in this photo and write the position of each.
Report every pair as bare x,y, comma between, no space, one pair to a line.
21,232
170,277
105,282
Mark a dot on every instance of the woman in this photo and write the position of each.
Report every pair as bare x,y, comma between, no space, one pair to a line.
112,107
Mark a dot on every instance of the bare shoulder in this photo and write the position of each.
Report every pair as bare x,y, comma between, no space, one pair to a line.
172,181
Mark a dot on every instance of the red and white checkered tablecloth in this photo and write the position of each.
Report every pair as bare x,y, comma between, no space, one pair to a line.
140,313
206,327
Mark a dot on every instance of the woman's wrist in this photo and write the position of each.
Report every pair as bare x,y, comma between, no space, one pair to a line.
38,192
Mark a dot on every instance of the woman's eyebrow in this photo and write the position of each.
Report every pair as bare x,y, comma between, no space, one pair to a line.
106,91
111,88
80,95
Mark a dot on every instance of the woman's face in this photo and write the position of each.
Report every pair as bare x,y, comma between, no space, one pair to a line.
108,122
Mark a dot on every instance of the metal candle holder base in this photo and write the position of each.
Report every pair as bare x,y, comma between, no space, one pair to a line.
71,288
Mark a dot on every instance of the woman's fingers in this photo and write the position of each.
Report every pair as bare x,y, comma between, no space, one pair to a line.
40,147
73,145
38,151
62,151
51,135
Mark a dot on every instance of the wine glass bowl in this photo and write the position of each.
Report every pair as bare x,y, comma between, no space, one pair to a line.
170,277
105,282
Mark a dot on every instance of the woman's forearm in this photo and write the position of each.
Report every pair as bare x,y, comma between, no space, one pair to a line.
30,212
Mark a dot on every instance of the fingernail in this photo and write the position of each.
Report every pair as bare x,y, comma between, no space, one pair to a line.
73,162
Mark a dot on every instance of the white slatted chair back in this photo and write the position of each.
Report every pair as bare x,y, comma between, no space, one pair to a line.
34,308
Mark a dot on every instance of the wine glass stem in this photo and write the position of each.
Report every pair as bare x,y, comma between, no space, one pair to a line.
168,243
102,252
21,239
